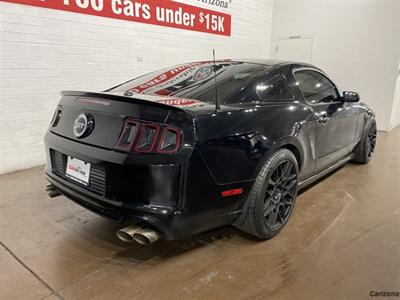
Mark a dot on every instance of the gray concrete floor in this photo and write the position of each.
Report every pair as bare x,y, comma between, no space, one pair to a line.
342,242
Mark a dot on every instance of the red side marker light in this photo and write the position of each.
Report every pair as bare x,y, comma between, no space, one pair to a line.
233,192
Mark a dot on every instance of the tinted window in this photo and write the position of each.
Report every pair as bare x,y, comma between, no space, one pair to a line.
272,89
196,81
316,87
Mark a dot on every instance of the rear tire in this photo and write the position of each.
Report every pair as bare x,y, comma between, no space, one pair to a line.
366,147
272,197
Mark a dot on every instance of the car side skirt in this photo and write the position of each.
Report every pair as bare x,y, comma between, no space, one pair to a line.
303,184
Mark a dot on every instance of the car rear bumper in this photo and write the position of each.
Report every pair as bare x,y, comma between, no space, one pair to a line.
158,196
131,192
176,198
161,218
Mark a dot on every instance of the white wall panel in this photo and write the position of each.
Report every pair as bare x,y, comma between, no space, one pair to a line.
395,119
355,42
43,51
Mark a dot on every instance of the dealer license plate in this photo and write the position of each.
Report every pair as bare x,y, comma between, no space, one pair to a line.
78,170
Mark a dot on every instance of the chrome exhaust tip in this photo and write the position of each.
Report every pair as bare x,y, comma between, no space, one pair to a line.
136,233
126,234
146,236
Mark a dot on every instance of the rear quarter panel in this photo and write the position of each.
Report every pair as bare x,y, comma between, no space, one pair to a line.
234,143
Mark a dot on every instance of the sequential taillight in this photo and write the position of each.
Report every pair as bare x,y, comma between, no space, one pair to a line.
170,140
145,137
148,138
128,135
56,117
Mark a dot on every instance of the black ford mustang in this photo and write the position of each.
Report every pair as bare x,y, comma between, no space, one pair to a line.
201,145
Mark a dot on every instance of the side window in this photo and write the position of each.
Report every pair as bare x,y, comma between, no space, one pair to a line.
315,87
273,89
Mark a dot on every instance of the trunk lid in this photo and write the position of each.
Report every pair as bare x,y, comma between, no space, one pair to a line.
108,112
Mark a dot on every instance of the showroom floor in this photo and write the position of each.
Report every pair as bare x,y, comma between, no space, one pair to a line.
342,242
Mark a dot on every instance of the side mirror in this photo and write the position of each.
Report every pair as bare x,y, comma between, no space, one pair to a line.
350,97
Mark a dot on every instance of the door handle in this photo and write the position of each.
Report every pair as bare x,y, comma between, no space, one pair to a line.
323,120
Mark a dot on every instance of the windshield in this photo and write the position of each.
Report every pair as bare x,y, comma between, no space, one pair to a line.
196,81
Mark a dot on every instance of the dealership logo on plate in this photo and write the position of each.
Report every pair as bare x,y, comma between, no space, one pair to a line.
83,125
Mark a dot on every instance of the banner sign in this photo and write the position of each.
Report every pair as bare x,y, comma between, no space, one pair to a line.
157,12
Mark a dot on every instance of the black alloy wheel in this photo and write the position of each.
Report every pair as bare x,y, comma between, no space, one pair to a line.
371,141
366,147
280,195
272,197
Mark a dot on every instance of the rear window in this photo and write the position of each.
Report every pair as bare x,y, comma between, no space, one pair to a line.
196,81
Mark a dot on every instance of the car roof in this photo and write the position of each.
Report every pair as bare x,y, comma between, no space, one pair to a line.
262,61
273,62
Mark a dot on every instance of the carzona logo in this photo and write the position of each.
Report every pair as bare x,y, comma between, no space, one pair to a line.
218,3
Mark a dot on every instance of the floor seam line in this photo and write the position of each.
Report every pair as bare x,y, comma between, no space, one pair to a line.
105,262
53,291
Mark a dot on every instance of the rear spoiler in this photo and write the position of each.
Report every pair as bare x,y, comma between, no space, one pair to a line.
128,98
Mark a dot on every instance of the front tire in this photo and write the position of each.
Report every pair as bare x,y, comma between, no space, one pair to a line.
366,147
272,197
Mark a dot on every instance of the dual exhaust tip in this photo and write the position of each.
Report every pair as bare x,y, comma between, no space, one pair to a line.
139,234
129,234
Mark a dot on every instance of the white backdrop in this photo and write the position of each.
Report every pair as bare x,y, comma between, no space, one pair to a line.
44,51
355,41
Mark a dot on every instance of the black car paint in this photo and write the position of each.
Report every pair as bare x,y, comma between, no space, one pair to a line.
180,194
